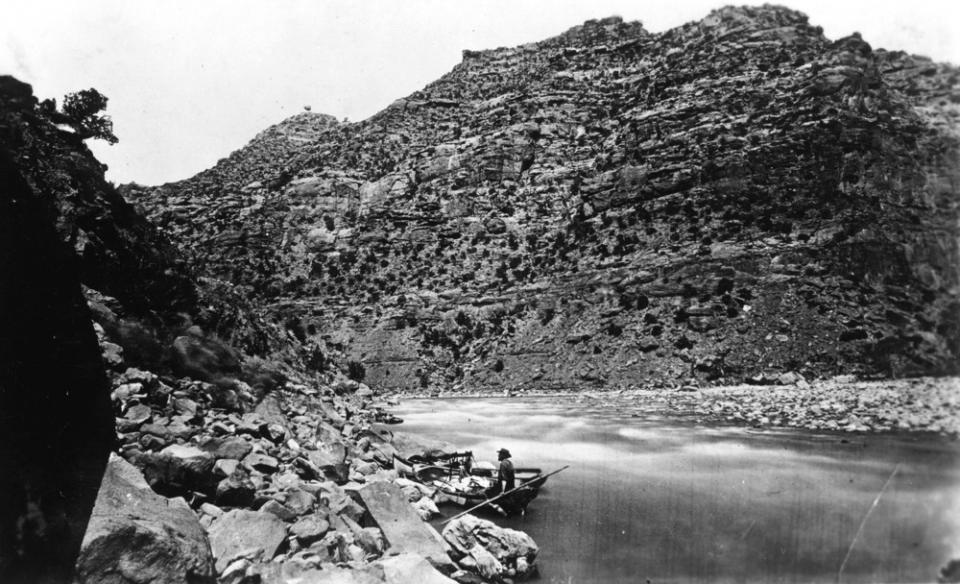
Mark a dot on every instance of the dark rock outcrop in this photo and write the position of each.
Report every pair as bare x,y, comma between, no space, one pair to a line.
56,427
739,196
118,251
138,536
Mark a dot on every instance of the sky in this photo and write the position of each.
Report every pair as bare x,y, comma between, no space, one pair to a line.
189,81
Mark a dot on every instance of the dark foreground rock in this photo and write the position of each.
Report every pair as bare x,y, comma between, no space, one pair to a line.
137,536
57,426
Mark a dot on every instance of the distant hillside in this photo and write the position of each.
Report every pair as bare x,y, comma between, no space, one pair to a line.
733,198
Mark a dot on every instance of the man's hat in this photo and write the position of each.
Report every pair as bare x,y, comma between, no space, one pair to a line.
503,451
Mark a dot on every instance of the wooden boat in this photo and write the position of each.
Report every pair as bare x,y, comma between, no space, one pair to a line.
457,479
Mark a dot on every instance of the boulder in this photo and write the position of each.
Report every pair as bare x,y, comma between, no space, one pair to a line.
331,415
426,508
331,574
275,433
138,414
156,429
261,462
231,447
211,510
340,503
370,539
275,422
286,480
178,428
408,445
482,562
250,424
366,468
341,547
299,501
136,535
185,405
277,508
310,529
324,464
328,436
474,541
225,467
203,358
402,528
237,490
178,469
248,534
138,376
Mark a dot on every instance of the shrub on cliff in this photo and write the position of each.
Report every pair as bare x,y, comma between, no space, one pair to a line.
82,111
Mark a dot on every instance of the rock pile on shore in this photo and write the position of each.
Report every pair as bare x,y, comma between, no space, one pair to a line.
926,405
923,405
297,486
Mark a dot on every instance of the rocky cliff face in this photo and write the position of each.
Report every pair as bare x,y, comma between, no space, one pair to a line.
737,197
120,252
56,427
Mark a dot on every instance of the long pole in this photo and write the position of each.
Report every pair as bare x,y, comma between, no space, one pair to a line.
505,493
863,522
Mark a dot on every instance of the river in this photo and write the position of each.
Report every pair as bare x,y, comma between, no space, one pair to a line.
654,496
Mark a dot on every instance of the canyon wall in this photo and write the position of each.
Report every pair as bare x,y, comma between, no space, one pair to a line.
737,198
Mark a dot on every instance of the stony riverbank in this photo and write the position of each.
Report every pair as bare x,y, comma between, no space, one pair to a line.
842,403
209,484
924,405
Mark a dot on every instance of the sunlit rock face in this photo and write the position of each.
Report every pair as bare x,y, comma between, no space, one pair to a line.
739,196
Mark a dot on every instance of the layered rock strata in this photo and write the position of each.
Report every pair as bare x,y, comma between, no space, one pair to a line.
733,198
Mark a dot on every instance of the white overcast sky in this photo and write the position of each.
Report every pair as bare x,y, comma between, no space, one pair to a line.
189,81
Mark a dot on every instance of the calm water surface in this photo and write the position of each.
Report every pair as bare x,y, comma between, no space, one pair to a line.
656,497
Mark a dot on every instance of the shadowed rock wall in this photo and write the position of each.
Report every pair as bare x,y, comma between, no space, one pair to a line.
56,424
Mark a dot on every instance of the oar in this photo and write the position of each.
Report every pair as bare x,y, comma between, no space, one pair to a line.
488,501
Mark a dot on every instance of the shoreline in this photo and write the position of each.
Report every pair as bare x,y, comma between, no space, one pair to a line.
921,405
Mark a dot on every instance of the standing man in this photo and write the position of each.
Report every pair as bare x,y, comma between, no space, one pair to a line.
505,475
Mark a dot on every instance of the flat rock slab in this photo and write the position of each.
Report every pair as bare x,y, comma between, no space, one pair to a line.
408,445
407,568
310,529
340,575
261,462
403,529
242,533
232,447
135,535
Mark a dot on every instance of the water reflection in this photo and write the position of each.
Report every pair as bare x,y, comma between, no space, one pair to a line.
659,497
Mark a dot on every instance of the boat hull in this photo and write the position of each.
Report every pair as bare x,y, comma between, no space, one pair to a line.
461,485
